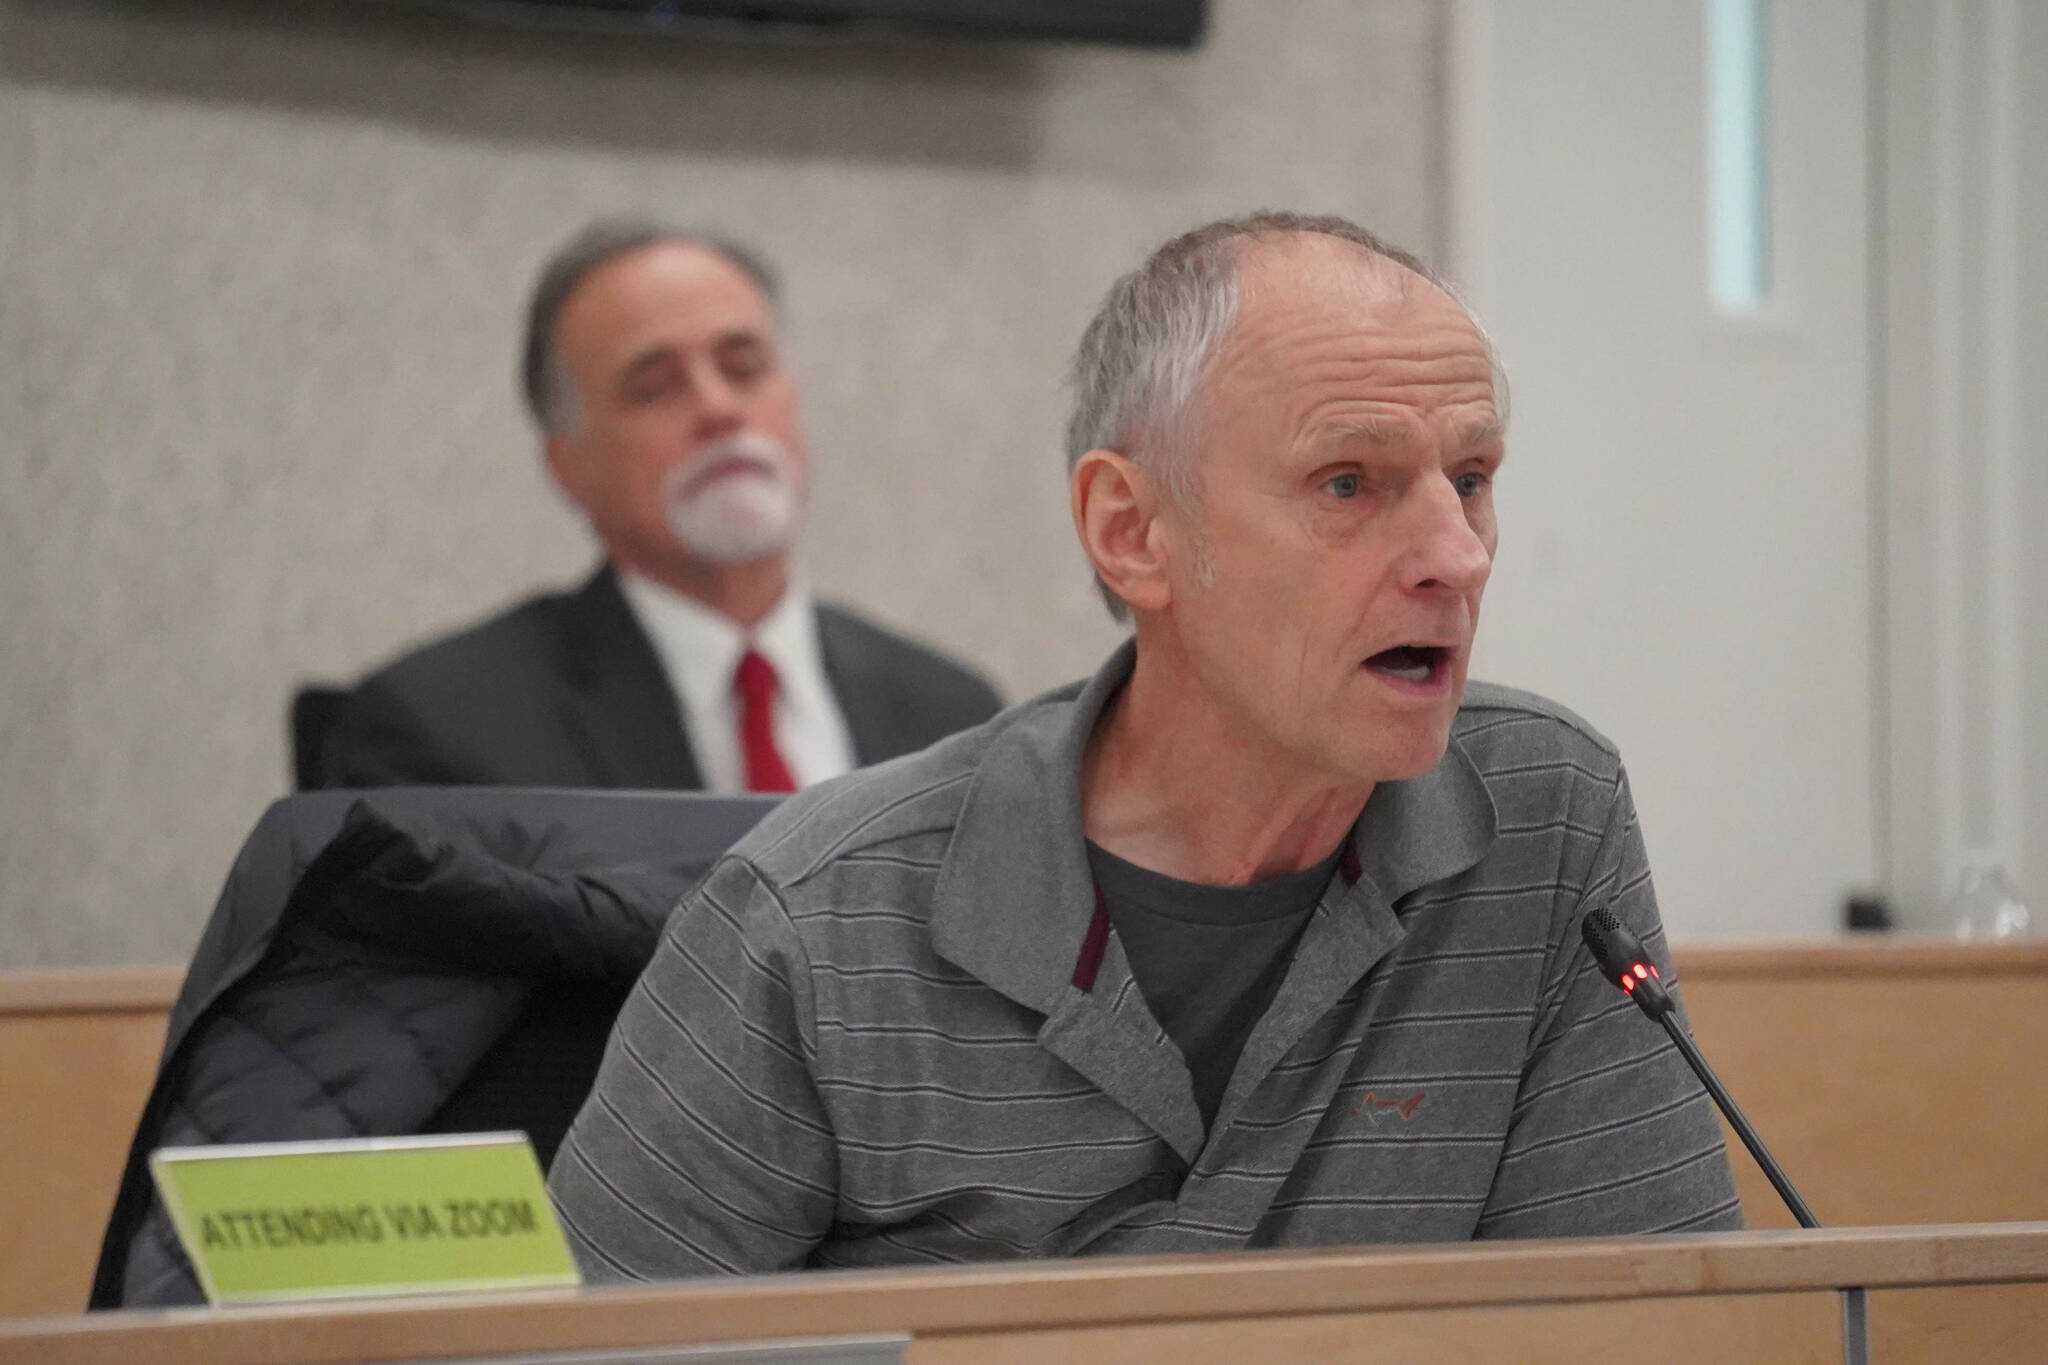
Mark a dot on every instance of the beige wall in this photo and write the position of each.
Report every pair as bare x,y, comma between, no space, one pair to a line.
260,274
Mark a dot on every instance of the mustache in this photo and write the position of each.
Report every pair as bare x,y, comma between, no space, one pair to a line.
754,448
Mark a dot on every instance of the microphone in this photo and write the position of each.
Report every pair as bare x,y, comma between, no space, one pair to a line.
1621,957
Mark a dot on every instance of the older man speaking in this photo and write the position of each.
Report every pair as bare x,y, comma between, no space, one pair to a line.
1266,935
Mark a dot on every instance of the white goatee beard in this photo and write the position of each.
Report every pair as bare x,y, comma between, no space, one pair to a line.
740,517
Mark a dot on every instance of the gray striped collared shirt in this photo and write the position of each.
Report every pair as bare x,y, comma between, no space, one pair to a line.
860,1042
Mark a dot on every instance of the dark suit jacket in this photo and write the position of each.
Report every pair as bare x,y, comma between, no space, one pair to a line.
566,691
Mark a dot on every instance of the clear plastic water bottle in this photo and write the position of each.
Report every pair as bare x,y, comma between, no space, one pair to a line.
1985,907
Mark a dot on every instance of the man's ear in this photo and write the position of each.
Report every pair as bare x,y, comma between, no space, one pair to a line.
1116,512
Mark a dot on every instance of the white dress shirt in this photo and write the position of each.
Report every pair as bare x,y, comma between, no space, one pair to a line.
700,651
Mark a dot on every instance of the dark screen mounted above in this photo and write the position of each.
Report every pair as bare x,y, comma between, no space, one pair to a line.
1146,23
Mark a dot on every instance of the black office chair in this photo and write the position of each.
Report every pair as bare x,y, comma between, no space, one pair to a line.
417,959
314,709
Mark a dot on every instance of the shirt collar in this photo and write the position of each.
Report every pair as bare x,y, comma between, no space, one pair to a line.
1014,898
700,648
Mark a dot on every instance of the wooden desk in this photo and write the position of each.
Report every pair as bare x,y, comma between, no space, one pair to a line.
78,1053
1754,1296
1900,1081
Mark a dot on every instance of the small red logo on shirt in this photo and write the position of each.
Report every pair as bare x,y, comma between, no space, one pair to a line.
1373,1107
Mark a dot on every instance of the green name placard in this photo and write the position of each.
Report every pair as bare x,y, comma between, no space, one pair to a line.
298,1220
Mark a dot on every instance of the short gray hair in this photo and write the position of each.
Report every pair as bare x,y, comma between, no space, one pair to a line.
1139,368
549,395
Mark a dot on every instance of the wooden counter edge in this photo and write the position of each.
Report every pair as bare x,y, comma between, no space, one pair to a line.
1885,955
90,990
80,990
1053,1294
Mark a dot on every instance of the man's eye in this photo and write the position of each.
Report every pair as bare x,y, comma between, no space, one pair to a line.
1344,485
744,363
1470,485
650,388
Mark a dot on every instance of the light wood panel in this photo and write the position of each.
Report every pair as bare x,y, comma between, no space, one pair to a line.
78,1051
1786,1329
2004,1322
1897,1082
104,990
1863,955
1276,1297
1908,1327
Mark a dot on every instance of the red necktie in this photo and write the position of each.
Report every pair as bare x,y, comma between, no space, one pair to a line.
756,682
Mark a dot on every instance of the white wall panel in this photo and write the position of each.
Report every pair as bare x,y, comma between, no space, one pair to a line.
1687,552
1965,345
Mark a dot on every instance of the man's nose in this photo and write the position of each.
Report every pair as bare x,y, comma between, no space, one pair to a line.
720,407
1447,552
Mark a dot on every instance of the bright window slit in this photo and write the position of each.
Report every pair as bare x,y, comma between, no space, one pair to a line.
1738,172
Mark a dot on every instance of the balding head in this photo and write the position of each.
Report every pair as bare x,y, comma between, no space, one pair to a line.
1143,361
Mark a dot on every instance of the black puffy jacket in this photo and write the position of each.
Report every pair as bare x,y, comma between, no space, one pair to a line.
402,961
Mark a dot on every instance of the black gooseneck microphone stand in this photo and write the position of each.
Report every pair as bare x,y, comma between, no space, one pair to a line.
1622,960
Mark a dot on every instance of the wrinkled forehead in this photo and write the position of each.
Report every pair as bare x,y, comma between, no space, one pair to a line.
1319,317
1311,281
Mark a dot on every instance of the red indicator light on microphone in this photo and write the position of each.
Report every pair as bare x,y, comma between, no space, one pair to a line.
1641,971
1628,983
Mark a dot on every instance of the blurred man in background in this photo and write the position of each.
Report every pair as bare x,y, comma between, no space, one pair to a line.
696,656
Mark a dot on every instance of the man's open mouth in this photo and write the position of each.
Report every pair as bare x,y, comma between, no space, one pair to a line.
1410,663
